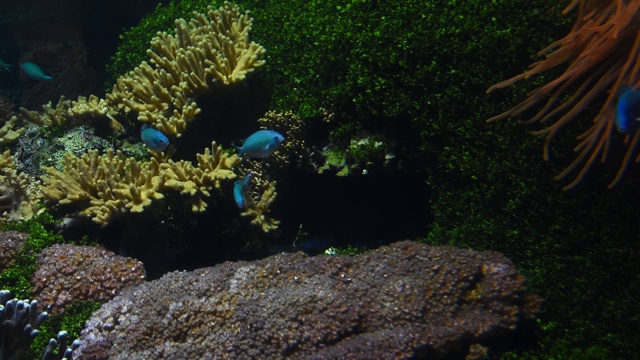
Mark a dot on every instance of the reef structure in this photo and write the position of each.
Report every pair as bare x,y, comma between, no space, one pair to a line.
19,193
210,50
406,300
108,185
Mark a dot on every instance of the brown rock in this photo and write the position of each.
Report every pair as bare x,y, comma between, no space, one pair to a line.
400,301
10,244
66,273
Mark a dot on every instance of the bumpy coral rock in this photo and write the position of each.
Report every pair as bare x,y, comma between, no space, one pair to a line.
66,273
10,243
399,301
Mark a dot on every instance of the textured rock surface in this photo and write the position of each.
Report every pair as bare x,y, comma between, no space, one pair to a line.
404,300
66,273
10,243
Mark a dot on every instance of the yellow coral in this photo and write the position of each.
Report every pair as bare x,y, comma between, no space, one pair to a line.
19,195
8,131
209,48
212,48
213,168
50,115
94,111
108,185
258,206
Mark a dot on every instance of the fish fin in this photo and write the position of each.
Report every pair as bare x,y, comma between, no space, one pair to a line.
239,148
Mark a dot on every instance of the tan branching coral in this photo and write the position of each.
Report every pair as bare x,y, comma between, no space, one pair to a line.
10,131
106,186
213,168
50,116
11,128
210,48
294,150
19,195
258,202
94,111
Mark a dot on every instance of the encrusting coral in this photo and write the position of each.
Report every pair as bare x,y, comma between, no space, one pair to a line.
207,50
397,302
56,282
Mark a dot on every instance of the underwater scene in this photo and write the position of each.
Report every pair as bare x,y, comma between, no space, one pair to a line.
336,179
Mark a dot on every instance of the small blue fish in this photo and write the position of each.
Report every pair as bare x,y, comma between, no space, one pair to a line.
34,72
260,144
628,110
154,139
239,189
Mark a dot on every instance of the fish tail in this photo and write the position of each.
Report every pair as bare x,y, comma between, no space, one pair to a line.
237,148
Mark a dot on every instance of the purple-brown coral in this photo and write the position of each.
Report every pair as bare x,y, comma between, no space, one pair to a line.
10,243
399,301
66,273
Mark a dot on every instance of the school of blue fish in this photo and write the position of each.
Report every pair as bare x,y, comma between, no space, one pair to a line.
260,144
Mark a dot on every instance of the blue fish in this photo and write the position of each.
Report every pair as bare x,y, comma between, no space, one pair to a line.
239,189
34,72
260,144
628,110
154,139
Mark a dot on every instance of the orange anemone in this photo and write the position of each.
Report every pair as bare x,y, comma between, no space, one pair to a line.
603,55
